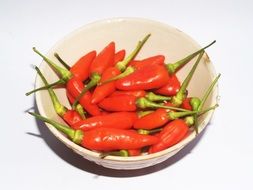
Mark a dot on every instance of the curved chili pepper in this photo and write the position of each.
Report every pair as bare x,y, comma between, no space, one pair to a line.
130,103
121,120
69,116
119,56
171,88
81,68
103,60
104,90
170,135
159,118
74,87
146,78
103,139
138,64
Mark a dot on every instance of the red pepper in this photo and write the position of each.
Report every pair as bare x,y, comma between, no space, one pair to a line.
104,90
121,120
119,56
103,60
186,104
103,139
136,93
81,68
138,64
159,118
74,87
170,135
130,103
69,116
149,77
171,88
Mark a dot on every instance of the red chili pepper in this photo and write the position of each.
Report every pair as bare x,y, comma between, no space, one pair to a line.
121,120
150,77
138,64
186,104
171,88
69,116
170,135
136,93
74,87
105,90
119,56
103,139
103,60
130,103
81,68
159,118
134,152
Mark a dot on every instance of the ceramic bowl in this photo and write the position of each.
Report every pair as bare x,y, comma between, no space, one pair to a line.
165,39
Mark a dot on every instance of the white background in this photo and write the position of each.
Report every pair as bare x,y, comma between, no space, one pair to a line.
221,158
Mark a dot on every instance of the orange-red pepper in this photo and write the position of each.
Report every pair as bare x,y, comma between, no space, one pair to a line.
138,64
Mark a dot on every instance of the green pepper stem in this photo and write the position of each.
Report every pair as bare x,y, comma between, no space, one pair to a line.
59,82
122,64
58,107
179,97
122,153
64,73
81,111
127,72
95,78
174,67
207,93
174,115
61,61
145,103
75,135
149,132
143,113
208,109
154,97
194,102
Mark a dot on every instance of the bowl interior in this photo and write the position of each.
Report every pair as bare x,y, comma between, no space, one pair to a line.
126,32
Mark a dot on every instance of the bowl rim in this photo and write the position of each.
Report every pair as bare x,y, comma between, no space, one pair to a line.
94,154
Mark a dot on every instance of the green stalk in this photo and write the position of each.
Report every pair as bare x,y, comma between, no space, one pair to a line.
122,153
179,97
154,97
61,61
174,67
127,72
64,73
145,103
58,107
75,135
59,82
149,132
122,64
95,78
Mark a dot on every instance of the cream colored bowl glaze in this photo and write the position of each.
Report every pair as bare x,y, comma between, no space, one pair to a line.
166,40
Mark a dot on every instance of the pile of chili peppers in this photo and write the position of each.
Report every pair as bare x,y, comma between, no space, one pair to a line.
123,106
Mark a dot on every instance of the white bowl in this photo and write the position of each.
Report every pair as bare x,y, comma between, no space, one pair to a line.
166,40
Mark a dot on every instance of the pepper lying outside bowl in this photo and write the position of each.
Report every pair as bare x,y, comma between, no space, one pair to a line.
125,32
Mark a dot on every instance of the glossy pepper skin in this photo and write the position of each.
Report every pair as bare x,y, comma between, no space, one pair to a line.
121,120
136,93
156,60
105,90
146,78
171,134
81,68
103,60
186,104
108,139
74,88
171,88
153,120
119,103
102,138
